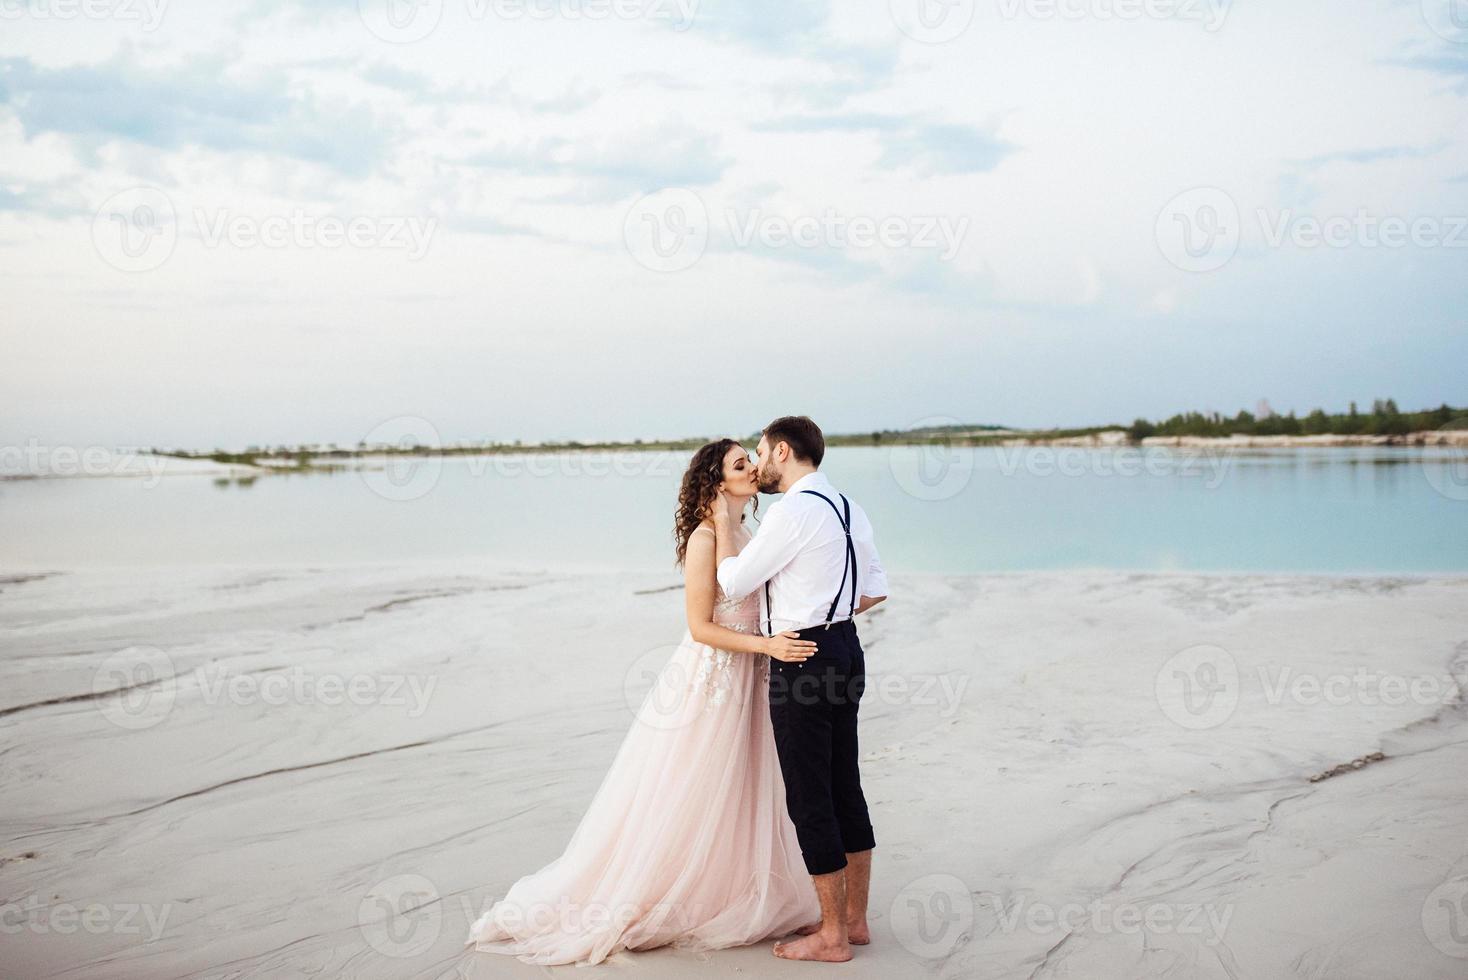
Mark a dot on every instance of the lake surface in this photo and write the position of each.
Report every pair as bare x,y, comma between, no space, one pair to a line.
936,509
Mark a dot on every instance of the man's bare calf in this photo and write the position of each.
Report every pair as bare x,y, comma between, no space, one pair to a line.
858,873
828,942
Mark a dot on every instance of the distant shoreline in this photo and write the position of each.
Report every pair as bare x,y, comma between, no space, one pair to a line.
1448,437
1384,425
254,461
319,456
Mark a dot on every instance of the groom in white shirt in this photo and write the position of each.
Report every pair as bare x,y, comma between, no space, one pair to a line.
815,562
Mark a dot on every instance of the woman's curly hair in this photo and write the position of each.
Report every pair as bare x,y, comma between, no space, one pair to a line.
699,488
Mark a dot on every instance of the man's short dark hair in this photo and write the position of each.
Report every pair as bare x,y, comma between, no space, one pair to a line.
803,436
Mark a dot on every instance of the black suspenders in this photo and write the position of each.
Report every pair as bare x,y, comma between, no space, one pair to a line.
848,567
850,564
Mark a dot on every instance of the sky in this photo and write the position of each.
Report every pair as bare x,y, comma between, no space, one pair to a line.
259,221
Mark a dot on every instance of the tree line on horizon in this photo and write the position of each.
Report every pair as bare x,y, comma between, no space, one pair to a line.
1384,419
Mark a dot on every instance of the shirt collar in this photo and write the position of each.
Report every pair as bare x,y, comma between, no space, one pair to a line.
811,481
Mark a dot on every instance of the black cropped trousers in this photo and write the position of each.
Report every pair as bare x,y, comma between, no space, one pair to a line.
813,710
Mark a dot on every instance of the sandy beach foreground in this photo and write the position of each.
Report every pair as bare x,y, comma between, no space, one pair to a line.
332,771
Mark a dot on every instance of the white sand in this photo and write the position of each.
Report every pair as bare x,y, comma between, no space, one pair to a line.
1020,763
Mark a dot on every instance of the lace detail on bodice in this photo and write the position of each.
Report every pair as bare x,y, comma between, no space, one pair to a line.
741,615
714,676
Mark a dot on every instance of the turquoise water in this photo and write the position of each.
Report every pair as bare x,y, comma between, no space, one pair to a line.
935,510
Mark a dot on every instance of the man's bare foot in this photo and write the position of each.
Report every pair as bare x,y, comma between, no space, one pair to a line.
813,947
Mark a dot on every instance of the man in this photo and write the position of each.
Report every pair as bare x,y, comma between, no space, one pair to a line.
816,564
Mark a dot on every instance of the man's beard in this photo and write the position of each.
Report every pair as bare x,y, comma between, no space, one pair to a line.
769,480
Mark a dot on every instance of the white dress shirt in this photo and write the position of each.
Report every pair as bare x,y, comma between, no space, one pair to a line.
800,550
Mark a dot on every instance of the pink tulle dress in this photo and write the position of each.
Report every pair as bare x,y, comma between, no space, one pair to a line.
687,841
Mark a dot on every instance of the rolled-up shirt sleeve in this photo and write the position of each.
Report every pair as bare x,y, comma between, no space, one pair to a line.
875,583
874,579
771,549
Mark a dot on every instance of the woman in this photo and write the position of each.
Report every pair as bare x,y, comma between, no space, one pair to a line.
687,841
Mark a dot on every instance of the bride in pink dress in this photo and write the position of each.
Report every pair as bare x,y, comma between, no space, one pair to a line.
687,841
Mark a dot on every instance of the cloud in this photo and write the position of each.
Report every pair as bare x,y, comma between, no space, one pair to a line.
826,261
928,148
801,29
770,26
928,276
53,199
570,100
947,149
399,79
610,169
192,105
13,201
845,122
478,224
1370,155
663,81
1451,60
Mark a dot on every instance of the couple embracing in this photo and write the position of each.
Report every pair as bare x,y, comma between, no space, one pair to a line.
733,811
